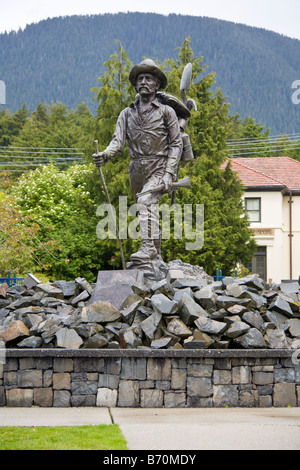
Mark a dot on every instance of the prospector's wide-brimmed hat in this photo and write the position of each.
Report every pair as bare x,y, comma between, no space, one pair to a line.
148,66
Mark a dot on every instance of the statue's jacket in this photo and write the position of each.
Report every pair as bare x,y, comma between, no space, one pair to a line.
155,135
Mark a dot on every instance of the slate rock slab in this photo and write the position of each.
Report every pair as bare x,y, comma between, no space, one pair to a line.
3,290
69,288
151,324
282,306
128,313
178,328
96,341
162,304
31,281
68,338
100,312
206,325
161,343
84,284
294,327
26,301
199,340
237,328
224,301
189,310
254,319
289,287
50,290
31,342
236,310
114,286
162,286
236,290
206,297
251,340
16,331
253,281
276,339
84,295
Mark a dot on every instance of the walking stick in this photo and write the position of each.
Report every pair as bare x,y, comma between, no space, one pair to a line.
108,200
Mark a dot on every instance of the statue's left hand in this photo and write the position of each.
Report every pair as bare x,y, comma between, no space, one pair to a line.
99,158
167,180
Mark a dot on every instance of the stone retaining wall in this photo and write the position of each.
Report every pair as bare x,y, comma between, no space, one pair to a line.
144,378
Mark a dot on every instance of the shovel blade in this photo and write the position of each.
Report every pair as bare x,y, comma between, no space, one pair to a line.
186,78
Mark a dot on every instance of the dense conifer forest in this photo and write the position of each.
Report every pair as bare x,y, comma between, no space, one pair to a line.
60,60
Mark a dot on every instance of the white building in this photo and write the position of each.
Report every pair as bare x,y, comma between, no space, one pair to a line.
272,201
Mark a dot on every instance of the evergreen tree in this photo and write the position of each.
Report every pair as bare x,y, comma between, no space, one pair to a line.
53,127
227,238
249,139
11,124
284,146
113,95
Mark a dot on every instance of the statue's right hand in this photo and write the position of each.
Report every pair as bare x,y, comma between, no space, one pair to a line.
99,158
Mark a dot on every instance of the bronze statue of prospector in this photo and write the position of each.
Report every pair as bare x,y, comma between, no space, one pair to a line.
153,127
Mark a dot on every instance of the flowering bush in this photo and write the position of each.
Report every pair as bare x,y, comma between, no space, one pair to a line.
50,195
18,238
64,209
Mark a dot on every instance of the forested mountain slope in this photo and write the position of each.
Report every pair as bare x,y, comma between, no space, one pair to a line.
60,59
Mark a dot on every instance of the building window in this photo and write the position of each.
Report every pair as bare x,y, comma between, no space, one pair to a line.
253,208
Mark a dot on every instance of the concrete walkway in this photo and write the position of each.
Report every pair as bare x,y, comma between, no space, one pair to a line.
177,429
210,429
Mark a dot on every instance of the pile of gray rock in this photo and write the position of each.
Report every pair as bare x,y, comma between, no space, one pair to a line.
187,310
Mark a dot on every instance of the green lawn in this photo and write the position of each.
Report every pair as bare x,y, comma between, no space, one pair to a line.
102,437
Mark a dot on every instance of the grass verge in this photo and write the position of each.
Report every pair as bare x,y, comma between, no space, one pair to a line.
102,437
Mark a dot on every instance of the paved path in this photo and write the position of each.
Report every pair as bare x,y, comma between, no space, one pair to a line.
177,429
210,429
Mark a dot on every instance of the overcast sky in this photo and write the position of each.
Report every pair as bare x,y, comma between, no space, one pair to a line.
281,16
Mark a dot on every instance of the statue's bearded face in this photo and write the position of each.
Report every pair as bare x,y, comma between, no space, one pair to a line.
147,84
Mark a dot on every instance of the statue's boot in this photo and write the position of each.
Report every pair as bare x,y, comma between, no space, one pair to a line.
146,252
148,222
